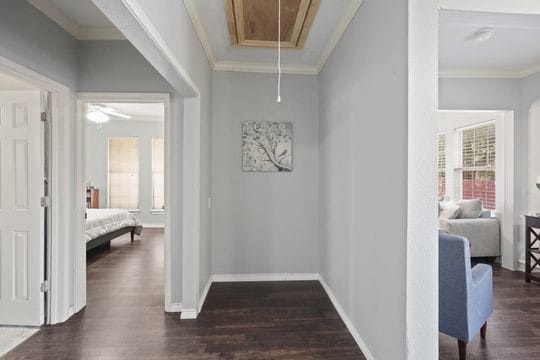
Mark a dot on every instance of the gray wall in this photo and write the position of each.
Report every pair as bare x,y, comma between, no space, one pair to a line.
97,161
264,222
363,175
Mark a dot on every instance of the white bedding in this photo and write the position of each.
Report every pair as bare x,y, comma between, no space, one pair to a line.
104,221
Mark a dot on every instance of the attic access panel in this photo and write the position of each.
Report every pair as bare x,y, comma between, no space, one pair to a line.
254,23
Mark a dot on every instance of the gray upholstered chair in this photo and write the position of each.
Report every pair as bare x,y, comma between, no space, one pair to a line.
465,294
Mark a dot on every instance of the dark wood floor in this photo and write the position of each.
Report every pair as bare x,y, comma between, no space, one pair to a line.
513,329
124,318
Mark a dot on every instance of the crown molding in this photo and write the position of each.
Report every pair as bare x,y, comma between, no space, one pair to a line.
48,8
354,5
304,69
479,74
265,68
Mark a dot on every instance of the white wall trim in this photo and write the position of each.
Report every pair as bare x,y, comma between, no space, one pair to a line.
354,5
60,287
305,69
204,293
80,202
173,307
264,68
188,314
264,277
346,320
477,74
138,13
48,8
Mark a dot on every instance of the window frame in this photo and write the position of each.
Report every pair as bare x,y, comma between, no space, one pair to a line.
154,209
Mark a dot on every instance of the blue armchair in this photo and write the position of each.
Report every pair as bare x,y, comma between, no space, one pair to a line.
465,294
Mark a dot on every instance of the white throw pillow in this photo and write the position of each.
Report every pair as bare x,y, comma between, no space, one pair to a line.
449,212
470,209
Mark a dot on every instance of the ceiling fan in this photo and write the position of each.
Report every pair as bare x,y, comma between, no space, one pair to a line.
100,113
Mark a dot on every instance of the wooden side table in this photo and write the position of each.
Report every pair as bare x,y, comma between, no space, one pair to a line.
532,247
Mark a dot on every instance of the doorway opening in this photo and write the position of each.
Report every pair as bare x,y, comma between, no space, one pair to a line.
123,155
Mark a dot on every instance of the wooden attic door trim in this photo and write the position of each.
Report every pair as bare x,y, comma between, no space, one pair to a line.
304,19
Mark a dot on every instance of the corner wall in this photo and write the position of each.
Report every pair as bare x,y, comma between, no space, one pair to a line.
264,223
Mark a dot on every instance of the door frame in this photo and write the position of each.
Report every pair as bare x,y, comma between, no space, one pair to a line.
80,198
58,308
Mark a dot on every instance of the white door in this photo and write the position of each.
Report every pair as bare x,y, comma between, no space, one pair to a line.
21,214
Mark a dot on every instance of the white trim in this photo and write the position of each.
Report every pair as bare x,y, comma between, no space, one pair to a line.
148,27
340,29
201,32
264,277
52,11
173,307
264,68
314,69
61,236
80,202
348,323
204,293
478,74
153,225
157,211
188,314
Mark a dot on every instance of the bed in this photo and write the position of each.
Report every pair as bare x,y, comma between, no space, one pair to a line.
104,225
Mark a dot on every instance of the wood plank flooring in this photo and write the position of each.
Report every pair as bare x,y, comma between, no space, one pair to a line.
514,328
124,318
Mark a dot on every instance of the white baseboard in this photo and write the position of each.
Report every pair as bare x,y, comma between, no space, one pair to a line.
202,299
173,307
153,226
188,314
264,277
347,321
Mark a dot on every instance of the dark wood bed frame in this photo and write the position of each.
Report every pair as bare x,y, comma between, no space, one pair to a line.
106,238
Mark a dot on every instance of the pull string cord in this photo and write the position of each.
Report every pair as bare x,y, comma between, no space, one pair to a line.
279,53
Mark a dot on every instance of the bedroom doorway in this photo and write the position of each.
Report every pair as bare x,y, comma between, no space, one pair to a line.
123,155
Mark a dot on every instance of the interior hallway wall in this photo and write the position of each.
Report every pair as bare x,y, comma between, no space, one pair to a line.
363,175
264,222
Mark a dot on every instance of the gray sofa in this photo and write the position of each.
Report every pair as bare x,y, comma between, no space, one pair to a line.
483,233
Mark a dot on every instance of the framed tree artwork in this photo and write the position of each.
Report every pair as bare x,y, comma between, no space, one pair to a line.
267,146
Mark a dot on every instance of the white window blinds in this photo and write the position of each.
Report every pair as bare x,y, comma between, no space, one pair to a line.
478,164
158,175
123,173
441,163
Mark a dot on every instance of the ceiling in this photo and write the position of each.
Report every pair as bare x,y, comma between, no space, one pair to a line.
9,83
85,22
138,111
512,51
81,18
329,23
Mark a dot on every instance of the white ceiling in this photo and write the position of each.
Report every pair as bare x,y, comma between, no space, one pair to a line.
138,111
81,18
512,51
85,22
9,83
329,16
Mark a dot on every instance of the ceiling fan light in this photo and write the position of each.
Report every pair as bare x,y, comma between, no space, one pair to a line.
97,117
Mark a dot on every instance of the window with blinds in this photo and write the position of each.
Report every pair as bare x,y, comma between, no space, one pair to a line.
478,164
124,172
158,174
441,162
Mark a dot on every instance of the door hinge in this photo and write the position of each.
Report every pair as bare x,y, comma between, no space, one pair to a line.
45,286
45,201
44,117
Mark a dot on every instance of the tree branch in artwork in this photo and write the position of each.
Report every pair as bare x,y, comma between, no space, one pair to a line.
267,146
